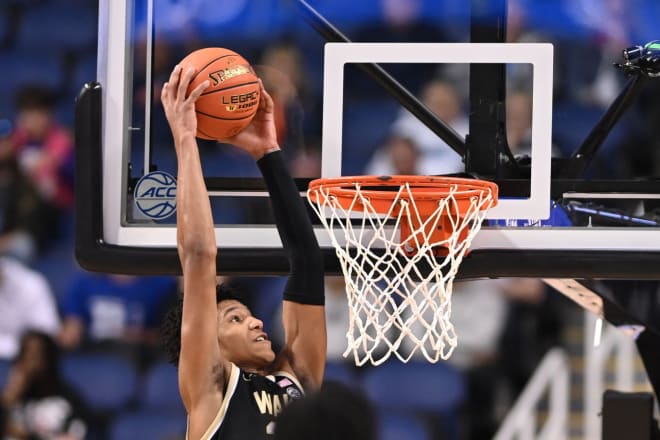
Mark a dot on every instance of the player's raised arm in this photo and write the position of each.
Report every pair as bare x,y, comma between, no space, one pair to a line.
303,309
201,368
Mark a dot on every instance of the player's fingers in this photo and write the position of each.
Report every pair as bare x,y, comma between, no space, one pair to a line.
165,92
265,101
174,76
183,83
198,91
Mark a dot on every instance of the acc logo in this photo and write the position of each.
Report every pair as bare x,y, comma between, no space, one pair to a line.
155,195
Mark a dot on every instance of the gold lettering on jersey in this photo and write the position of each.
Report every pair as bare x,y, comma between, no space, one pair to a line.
264,402
270,403
225,74
277,405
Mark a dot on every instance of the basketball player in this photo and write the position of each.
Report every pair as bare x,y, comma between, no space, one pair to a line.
232,383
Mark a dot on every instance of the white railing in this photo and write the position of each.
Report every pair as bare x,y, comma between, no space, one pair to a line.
612,342
553,374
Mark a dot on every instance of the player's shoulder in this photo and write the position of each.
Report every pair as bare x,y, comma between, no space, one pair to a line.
289,382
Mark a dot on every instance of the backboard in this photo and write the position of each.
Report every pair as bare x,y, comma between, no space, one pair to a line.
460,95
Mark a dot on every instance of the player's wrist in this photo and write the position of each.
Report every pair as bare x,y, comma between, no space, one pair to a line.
264,150
184,137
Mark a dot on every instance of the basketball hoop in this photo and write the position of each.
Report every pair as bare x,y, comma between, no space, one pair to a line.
400,241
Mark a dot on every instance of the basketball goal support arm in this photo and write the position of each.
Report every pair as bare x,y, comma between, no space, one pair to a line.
487,85
387,82
580,160
622,308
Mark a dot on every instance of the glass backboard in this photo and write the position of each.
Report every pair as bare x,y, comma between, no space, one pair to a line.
512,95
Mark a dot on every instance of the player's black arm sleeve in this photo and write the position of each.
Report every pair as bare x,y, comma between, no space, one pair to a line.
305,283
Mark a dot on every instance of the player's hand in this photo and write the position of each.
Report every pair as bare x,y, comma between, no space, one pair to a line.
179,108
260,136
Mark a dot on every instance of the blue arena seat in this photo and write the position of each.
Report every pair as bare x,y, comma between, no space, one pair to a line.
105,382
20,68
84,71
366,126
58,262
416,385
160,390
56,27
417,388
395,426
341,372
573,122
147,425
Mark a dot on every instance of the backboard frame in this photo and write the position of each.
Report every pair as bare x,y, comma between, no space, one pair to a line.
498,251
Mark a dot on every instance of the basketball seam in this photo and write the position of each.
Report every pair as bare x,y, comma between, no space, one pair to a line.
230,87
224,119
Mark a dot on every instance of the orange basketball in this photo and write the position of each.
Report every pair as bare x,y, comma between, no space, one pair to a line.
228,105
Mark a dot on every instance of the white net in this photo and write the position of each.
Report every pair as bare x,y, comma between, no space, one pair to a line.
399,283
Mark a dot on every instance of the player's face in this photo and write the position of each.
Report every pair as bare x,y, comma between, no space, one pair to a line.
242,338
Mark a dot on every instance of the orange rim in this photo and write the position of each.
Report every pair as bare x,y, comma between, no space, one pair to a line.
425,190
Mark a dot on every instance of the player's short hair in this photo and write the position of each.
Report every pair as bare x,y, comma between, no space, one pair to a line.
170,329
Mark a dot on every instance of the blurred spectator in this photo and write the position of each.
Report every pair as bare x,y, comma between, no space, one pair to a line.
28,223
533,326
297,109
519,123
336,318
116,312
39,404
399,155
436,157
44,148
306,163
26,303
479,314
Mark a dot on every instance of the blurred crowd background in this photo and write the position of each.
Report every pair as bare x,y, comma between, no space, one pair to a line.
79,352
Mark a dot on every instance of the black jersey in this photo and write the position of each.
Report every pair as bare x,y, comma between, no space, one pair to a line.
250,405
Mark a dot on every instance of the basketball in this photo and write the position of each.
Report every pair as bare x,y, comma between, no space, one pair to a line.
228,105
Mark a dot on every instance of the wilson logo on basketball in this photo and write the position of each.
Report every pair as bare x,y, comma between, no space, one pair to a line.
225,74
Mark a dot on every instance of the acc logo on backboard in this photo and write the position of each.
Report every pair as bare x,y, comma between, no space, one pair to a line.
155,195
